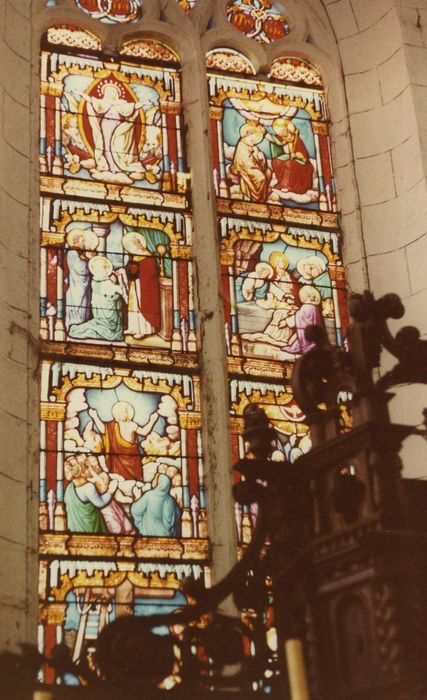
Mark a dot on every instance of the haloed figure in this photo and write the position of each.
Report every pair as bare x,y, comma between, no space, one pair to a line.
308,314
289,158
106,304
120,439
113,124
249,165
144,289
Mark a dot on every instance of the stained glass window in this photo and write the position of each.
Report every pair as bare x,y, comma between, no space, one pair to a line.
280,241
112,11
121,474
258,19
123,516
281,260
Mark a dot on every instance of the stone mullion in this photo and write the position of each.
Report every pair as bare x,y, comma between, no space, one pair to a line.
209,309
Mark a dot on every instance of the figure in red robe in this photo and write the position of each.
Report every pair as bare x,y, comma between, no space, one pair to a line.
289,158
144,288
120,439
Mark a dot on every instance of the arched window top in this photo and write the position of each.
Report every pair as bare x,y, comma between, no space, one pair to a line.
112,11
149,48
187,5
229,61
297,71
74,37
258,19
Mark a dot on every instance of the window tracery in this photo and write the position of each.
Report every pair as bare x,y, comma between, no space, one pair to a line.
229,60
296,70
258,19
112,11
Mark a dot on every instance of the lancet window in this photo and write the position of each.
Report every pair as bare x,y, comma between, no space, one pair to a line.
281,258
122,504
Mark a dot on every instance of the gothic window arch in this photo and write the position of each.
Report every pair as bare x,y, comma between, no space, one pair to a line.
119,299
121,476
281,247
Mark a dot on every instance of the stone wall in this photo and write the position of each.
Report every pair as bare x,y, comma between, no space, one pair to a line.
17,356
383,52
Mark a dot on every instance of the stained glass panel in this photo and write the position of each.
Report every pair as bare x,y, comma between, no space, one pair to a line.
258,19
111,130
276,281
112,442
115,277
270,146
112,11
78,599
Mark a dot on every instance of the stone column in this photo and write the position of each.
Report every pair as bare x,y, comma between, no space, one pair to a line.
210,322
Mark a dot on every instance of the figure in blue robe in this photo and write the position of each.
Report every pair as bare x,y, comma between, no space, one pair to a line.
156,513
78,294
106,305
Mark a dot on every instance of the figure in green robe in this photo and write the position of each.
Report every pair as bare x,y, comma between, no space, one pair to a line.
82,504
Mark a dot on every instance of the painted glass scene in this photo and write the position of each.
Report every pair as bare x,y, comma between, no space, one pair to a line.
277,282
286,417
112,11
270,144
121,453
258,19
111,129
110,277
78,599
122,513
